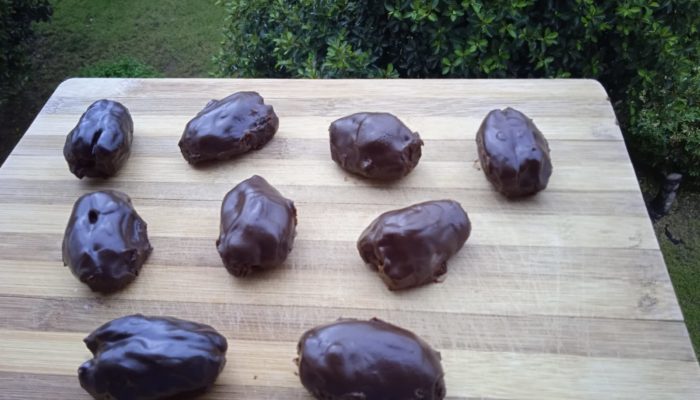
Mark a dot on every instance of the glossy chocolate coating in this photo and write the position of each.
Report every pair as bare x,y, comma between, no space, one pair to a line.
105,243
144,358
368,360
101,142
226,128
374,145
410,247
513,153
257,229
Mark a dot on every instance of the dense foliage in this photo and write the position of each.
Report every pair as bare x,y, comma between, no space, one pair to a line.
16,18
643,52
122,68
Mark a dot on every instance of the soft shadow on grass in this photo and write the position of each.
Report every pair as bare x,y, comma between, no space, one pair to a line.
679,238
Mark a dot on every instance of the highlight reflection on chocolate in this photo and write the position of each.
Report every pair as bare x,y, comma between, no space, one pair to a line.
374,145
105,242
258,226
513,153
228,127
149,358
368,360
410,247
100,143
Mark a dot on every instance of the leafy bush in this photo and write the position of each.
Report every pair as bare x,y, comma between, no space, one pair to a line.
16,17
665,125
121,68
635,48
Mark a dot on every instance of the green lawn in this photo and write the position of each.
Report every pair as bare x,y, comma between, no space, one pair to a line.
175,37
683,259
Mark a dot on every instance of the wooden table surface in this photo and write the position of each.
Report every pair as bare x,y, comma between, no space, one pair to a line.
561,296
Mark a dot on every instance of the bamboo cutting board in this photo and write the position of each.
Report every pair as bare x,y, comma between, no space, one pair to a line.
563,295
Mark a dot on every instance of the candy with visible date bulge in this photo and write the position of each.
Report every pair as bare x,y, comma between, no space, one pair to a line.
374,145
513,153
228,127
100,144
368,360
105,242
258,226
410,247
150,358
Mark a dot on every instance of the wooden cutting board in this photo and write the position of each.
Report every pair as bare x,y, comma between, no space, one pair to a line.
563,295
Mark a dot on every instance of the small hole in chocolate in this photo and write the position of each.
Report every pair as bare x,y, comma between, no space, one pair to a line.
92,216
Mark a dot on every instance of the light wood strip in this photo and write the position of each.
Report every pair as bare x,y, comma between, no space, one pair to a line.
331,109
532,89
630,264
564,151
205,194
346,223
584,177
455,127
468,373
461,292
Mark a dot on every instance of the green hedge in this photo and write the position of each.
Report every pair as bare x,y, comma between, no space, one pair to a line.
643,52
16,18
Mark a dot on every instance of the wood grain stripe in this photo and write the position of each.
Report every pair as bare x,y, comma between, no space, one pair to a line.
645,266
586,177
596,337
456,127
346,222
461,292
468,373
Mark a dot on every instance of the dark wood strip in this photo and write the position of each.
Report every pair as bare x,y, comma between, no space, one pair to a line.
23,386
590,337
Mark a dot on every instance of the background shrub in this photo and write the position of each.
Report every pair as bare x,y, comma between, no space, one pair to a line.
644,52
121,68
16,17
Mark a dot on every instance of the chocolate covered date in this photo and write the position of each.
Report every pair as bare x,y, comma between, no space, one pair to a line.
101,142
374,145
513,153
149,358
410,247
105,242
257,229
368,360
225,128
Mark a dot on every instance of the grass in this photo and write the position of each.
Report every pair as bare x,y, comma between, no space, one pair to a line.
89,37
679,238
176,37
683,259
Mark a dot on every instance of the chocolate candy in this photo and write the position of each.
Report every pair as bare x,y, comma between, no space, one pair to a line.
374,145
513,153
225,128
105,243
101,142
258,226
410,247
368,360
148,358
